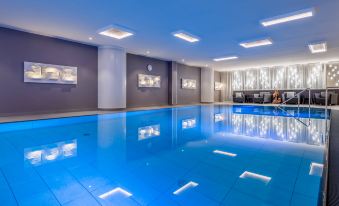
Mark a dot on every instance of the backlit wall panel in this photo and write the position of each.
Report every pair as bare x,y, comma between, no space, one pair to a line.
282,77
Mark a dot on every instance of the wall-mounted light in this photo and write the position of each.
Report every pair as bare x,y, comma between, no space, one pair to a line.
188,83
148,80
218,86
48,73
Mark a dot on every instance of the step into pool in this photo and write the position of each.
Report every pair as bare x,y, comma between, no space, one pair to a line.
188,156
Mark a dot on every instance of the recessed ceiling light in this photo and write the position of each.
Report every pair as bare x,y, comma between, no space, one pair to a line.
116,32
90,38
225,58
186,36
261,42
318,47
287,17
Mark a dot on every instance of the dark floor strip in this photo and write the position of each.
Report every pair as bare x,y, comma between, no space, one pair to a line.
333,161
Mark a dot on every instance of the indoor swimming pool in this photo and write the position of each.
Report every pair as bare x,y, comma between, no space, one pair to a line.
188,156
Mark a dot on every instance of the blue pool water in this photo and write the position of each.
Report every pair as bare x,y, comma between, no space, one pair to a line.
197,155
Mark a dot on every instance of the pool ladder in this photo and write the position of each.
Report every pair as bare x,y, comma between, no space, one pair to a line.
281,106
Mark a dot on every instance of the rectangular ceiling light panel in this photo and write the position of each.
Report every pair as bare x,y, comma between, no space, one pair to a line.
262,42
186,36
225,58
318,48
116,32
288,17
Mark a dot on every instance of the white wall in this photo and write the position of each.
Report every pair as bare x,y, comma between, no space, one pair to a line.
111,78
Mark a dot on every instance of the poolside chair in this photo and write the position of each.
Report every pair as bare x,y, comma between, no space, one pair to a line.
292,96
262,97
239,97
320,98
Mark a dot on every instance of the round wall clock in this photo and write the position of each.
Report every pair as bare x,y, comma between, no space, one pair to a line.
149,67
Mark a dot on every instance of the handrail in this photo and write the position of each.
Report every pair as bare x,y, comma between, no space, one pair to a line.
296,118
296,95
309,106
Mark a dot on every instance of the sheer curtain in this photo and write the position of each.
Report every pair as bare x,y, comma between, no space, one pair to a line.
269,78
278,78
315,77
227,91
237,80
295,77
265,78
250,79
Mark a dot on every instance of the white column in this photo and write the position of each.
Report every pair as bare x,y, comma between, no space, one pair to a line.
111,78
207,85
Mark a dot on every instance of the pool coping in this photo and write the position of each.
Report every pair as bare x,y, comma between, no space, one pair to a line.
331,178
55,115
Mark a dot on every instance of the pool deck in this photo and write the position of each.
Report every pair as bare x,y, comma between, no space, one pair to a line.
333,163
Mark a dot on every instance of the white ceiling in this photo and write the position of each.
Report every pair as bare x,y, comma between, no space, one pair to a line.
221,25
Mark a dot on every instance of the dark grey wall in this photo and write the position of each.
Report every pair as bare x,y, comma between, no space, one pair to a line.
188,96
217,93
19,97
139,97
